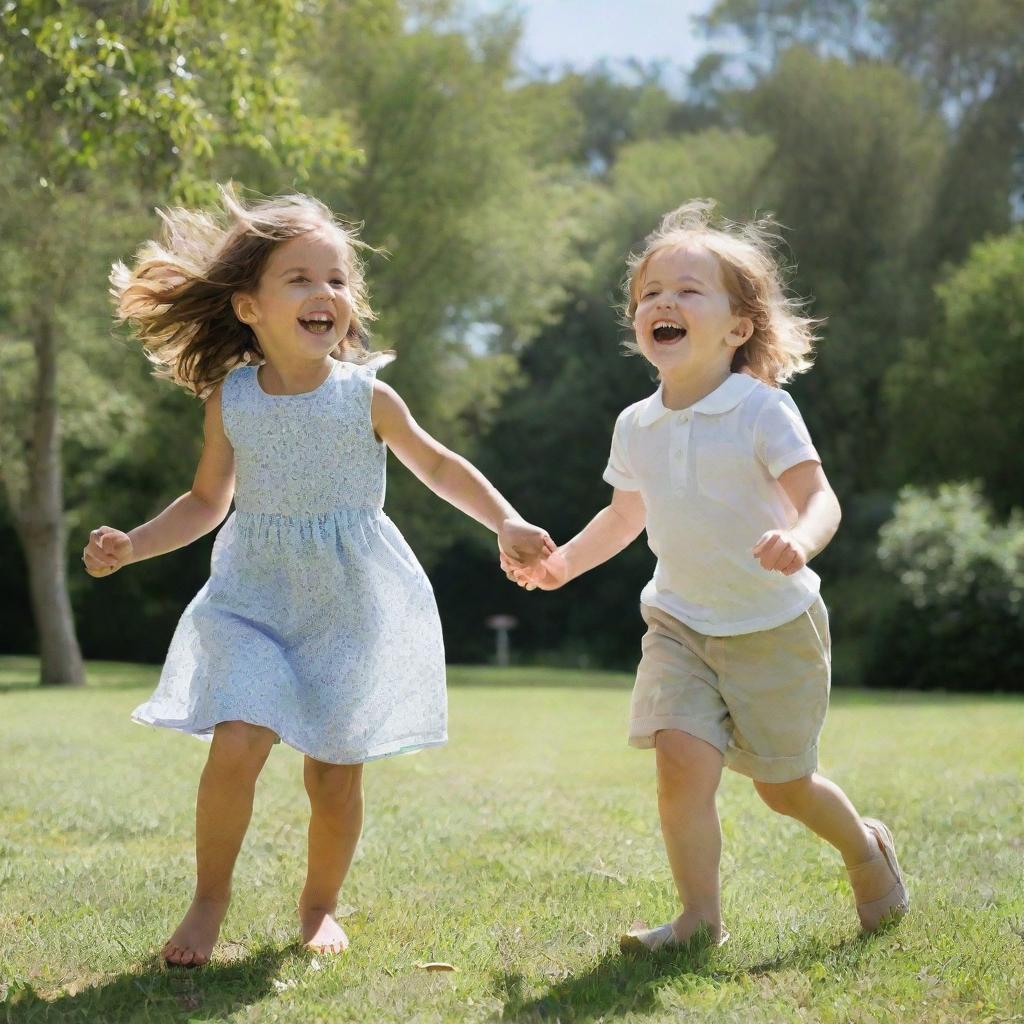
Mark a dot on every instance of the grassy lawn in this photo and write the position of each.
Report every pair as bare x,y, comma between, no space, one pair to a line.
517,853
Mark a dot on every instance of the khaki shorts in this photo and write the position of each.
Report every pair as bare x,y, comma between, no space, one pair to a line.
760,698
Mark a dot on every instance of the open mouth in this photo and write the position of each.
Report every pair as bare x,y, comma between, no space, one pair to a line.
665,330
317,323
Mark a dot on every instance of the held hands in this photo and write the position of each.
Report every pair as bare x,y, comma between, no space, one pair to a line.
107,551
550,573
781,551
523,543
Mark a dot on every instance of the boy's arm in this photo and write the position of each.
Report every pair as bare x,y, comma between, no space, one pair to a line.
788,551
453,478
611,530
186,519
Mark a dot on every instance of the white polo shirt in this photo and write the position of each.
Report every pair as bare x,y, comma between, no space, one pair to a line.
708,476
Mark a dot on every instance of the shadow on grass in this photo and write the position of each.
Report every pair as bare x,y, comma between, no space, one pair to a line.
154,993
619,984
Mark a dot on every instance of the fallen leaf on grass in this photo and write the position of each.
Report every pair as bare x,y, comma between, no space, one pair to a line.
436,965
231,951
283,986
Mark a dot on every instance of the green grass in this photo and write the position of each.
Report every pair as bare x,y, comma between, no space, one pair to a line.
517,853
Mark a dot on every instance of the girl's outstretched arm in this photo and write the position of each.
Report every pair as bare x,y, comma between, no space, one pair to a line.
186,519
611,530
453,478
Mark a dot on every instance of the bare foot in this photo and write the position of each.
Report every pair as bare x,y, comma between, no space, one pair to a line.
192,943
320,932
673,935
686,926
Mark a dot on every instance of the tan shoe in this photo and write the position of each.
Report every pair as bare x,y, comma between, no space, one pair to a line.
655,940
895,903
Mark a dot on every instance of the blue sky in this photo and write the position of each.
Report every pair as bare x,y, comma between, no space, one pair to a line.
581,32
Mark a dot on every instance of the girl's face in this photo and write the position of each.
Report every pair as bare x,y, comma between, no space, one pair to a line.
684,321
302,306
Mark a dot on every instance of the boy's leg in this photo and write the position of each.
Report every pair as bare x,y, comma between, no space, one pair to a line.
689,771
223,809
825,809
336,821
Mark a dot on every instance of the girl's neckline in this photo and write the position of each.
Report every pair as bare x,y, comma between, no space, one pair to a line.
298,394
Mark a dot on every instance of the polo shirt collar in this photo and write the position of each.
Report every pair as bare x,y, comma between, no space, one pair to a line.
726,396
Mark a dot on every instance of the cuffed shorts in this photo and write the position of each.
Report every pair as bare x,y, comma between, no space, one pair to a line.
760,698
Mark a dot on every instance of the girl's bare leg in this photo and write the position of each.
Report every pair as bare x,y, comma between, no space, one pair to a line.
223,810
336,802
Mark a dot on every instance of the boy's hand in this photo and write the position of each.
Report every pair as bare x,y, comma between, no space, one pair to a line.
523,543
107,551
549,574
781,551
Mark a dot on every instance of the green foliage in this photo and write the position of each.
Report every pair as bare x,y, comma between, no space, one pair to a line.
960,622
959,49
956,392
156,88
853,173
966,56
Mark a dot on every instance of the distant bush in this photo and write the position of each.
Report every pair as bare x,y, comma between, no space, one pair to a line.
958,623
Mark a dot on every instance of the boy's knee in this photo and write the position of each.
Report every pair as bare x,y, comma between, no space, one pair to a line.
241,745
784,797
687,766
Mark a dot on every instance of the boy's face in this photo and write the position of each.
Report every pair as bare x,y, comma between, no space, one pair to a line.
302,306
684,321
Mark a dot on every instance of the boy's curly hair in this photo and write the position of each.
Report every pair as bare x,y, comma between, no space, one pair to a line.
782,342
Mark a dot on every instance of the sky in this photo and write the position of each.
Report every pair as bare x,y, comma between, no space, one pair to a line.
581,32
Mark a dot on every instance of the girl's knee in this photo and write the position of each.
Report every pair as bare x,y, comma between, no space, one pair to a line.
242,745
687,766
784,797
336,784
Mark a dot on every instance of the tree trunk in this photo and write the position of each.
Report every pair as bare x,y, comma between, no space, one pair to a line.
40,525
60,657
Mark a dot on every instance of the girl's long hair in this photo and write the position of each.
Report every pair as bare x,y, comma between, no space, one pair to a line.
176,295
782,342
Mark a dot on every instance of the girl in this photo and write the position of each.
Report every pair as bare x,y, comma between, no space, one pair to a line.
318,626
719,468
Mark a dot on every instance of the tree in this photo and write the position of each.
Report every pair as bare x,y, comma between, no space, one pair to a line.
853,173
957,622
464,183
967,56
85,107
956,393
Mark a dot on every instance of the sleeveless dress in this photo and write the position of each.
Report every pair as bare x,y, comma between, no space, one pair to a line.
317,621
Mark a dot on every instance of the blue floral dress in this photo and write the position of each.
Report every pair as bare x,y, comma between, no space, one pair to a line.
317,621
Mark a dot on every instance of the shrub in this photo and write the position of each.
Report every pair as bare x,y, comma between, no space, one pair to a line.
959,620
